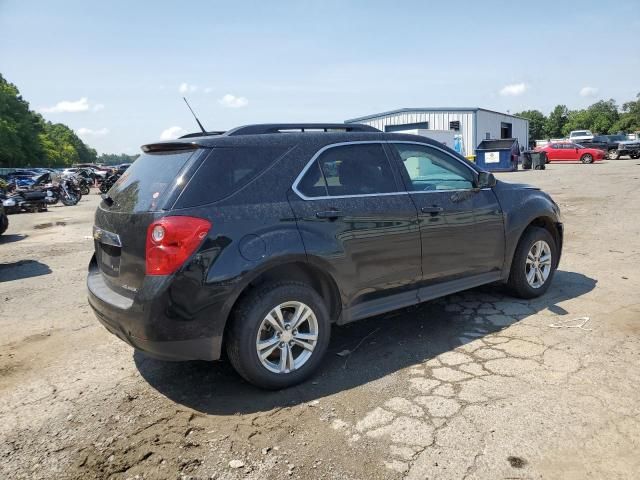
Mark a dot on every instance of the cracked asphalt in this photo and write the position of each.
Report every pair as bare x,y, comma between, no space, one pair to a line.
476,385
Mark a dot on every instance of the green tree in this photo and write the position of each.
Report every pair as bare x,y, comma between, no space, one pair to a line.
599,117
19,129
556,121
26,139
537,122
115,159
629,120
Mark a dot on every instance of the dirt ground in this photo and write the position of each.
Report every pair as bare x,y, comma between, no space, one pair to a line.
476,385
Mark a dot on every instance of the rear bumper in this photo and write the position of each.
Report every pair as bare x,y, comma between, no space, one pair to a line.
147,328
178,350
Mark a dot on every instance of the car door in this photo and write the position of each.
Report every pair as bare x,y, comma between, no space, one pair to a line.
461,226
358,223
568,152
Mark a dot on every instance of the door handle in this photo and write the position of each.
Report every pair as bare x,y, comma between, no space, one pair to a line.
433,209
330,214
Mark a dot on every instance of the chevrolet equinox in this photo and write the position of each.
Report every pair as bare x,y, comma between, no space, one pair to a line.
258,239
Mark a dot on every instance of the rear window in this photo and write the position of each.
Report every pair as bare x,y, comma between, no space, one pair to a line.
227,170
142,187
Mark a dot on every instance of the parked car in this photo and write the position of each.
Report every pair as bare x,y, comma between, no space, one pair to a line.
571,152
628,147
608,143
258,240
578,136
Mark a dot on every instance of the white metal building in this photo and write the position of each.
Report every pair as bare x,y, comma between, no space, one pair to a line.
474,124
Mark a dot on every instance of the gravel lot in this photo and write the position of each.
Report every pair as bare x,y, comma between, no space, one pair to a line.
476,385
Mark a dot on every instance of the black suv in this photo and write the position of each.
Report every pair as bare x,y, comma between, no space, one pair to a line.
614,145
258,239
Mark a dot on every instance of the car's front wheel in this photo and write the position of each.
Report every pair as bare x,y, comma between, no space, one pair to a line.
278,335
613,154
586,158
534,263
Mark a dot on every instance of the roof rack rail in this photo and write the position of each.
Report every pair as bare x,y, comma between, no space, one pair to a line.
202,134
265,128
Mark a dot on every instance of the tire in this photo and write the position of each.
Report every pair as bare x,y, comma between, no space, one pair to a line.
613,154
4,223
586,158
249,320
103,188
518,283
84,190
70,200
635,156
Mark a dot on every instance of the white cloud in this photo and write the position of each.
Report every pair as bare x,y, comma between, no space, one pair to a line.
67,106
208,90
87,132
231,101
172,133
187,88
97,107
514,89
588,91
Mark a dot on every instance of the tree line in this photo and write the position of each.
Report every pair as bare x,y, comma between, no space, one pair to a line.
27,139
603,117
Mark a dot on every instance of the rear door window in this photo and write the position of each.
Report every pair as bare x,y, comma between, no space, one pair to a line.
225,171
143,186
357,169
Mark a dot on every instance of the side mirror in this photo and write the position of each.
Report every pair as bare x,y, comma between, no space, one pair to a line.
486,180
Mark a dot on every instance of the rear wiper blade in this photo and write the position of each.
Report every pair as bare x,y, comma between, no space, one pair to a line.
107,199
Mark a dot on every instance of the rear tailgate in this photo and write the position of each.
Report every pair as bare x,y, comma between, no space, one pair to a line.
140,196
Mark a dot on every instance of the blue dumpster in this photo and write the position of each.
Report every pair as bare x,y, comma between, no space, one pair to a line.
498,155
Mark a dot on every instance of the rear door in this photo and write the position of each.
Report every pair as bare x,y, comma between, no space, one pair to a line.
461,226
357,221
135,200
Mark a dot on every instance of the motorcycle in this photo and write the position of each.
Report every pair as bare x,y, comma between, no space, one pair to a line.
72,183
24,201
108,182
62,189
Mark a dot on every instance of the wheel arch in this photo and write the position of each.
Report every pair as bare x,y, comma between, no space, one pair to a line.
542,220
295,270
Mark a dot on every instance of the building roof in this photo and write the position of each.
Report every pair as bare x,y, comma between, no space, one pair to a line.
427,110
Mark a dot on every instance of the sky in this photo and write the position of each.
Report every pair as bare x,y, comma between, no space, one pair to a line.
116,71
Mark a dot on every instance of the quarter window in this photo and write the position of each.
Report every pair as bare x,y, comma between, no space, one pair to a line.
431,169
358,169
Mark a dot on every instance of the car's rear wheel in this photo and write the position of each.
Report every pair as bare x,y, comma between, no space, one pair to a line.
586,158
534,263
635,156
278,335
613,154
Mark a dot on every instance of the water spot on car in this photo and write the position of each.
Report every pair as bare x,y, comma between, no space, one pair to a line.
517,462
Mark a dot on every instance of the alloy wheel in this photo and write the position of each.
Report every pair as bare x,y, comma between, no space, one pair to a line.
287,337
538,264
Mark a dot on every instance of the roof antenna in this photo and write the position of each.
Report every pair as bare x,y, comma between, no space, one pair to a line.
194,115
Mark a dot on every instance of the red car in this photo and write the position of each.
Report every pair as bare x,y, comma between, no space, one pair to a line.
571,152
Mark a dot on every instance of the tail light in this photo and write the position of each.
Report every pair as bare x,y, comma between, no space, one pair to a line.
171,241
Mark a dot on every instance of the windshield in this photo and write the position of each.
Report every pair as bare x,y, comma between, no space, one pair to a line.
143,185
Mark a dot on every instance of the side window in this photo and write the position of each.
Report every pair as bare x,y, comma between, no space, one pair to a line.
358,169
430,169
